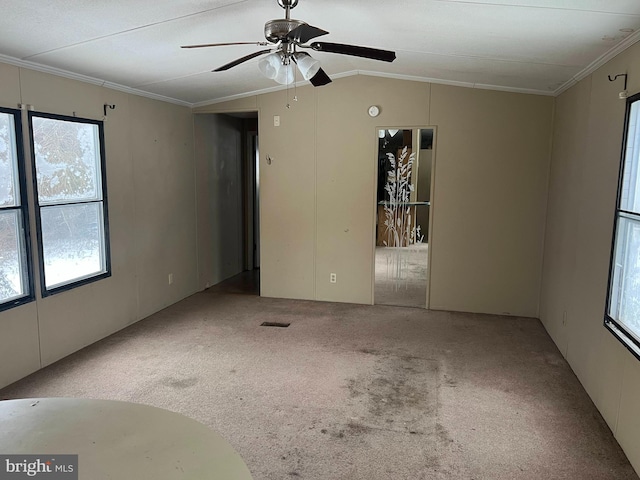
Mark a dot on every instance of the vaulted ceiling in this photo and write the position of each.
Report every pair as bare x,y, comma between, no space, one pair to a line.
535,46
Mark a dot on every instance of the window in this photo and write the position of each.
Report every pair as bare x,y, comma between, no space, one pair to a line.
68,164
15,280
623,297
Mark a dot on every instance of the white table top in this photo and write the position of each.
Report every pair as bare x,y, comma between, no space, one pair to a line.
118,440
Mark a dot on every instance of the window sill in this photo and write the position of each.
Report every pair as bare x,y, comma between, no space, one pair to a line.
623,337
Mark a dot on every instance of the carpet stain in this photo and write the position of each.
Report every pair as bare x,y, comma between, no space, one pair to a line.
443,434
446,441
354,428
399,394
293,458
369,351
351,429
179,383
450,382
389,395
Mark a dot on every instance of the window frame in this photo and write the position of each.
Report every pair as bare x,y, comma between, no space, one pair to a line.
24,211
44,291
629,339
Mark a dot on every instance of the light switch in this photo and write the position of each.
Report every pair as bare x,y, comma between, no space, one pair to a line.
276,120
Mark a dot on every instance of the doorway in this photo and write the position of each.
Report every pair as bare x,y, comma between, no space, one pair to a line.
251,197
249,279
228,182
403,216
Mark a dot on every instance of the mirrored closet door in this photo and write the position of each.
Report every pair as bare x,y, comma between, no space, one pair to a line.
405,166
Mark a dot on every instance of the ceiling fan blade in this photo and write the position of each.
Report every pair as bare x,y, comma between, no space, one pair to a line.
241,60
305,32
365,52
262,44
320,79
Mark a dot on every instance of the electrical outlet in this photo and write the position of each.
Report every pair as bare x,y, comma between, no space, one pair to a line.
276,120
333,278
564,317
171,279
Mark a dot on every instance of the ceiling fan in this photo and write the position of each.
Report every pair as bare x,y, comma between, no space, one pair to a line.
289,36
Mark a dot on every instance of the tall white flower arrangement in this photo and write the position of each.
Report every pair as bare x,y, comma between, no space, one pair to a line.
398,219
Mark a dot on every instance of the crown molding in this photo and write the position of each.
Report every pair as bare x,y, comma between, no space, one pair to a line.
454,83
87,79
238,96
589,69
262,91
369,73
598,62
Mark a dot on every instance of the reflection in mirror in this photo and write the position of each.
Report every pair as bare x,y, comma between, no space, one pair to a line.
402,216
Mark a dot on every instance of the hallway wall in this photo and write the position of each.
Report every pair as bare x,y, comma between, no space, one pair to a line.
218,162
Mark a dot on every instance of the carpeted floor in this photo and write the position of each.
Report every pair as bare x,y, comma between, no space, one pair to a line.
353,392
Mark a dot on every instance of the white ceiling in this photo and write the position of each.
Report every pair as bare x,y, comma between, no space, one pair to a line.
537,46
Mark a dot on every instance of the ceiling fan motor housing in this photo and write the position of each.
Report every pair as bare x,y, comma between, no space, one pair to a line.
277,30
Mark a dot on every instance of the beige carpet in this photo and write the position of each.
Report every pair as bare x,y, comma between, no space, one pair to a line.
354,392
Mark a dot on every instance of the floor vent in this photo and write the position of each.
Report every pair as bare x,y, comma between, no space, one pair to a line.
274,324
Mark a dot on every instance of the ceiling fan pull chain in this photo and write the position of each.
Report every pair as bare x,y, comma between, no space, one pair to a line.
288,104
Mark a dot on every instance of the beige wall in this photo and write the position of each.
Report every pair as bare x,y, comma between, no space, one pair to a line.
150,183
318,193
582,192
287,196
492,161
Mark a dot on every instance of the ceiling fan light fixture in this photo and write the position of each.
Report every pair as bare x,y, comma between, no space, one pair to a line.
270,65
287,35
286,74
307,65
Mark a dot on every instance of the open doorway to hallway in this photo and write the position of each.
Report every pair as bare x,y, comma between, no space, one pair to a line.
228,179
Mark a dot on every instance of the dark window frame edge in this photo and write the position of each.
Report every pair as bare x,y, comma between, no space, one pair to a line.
618,331
44,291
24,210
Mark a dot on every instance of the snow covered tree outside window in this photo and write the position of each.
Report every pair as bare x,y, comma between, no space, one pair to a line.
624,289
72,217
14,272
